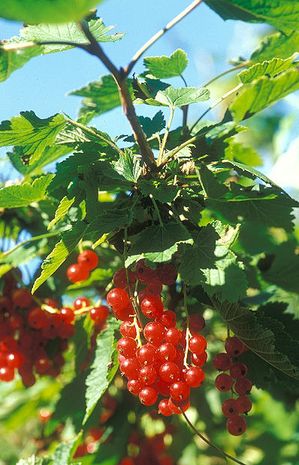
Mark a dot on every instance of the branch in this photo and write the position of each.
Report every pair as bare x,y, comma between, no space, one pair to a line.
159,34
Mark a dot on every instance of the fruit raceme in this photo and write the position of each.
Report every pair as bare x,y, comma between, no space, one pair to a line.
161,361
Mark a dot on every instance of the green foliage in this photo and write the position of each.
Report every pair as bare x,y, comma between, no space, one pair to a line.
267,68
24,194
167,67
277,45
172,97
46,11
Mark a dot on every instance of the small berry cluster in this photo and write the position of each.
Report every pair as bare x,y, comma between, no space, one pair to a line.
159,365
80,271
236,382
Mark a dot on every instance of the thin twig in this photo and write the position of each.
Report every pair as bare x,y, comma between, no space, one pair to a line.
28,241
159,34
165,137
206,440
227,71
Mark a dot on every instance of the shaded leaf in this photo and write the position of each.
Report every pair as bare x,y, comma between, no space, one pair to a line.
161,191
163,67
22,195
277,45
284,270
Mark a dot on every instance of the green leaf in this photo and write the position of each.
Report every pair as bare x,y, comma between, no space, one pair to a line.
157,243
129,166
107,221
59,254
259,339
284,270
99,97
282,14
243,153
31,133
62,210
179,97
161,191
277,45
163,67
153,125
267,68
262,93
46,11
33,460
23,195
63,453
101,372
13,57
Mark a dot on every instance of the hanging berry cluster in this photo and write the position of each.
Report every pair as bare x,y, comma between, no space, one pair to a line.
80,271
34,334
159,364
233,379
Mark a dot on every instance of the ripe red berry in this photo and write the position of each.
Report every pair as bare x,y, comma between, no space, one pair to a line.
14,359
43,365
123,277
237,370
146,355
88,259
5,304
229,407
76,273
153,287
147,375
162,387
164,408
67,314
234,347
118,299
37,318
167,352
222,362
197,344
127,347
152,306
169,372
236,425
148,396
154,332
196,322
81,302
127,329
134,386
168,319
179,391
244,404
124,314
243,386
199,360
224,382
99,314
167,273
130,368
144,272
7,374
22,298
194,376
173,335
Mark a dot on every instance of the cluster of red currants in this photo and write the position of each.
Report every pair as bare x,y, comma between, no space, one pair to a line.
235,381
159,365
148,450
86,262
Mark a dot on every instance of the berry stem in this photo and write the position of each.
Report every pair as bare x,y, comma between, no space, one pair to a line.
157,210
138,331
206,440
188,334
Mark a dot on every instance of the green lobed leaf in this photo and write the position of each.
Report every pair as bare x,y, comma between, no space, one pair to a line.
282,14
262,93
107,221
284,270
46,11
164,67
277,45
62,210
179,97
243,153
31,133
61,251
259,339
22,195
129,166
160,190
101,372
269,68
153,125
158,243
63,453
13,57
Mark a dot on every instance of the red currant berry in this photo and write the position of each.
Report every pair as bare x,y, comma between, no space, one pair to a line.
127,329
130,368
199,360
229,407
81,302
222,362
243,386
7,374
134,386
196,322
88,259
162,387
179,391
164,408
244,404
123,277
76,273
168,319
124,313
127,347
43,365
51,303
99,314
173,336
148,396
180,356
146,355
37,318
144,273
197,344
147,375
236,425
167,274
234,347
224,382
169,372
153,287
167,352
194,376
5,304
238,370
152,306
154,332
22,298
118,299
14,359
67,314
